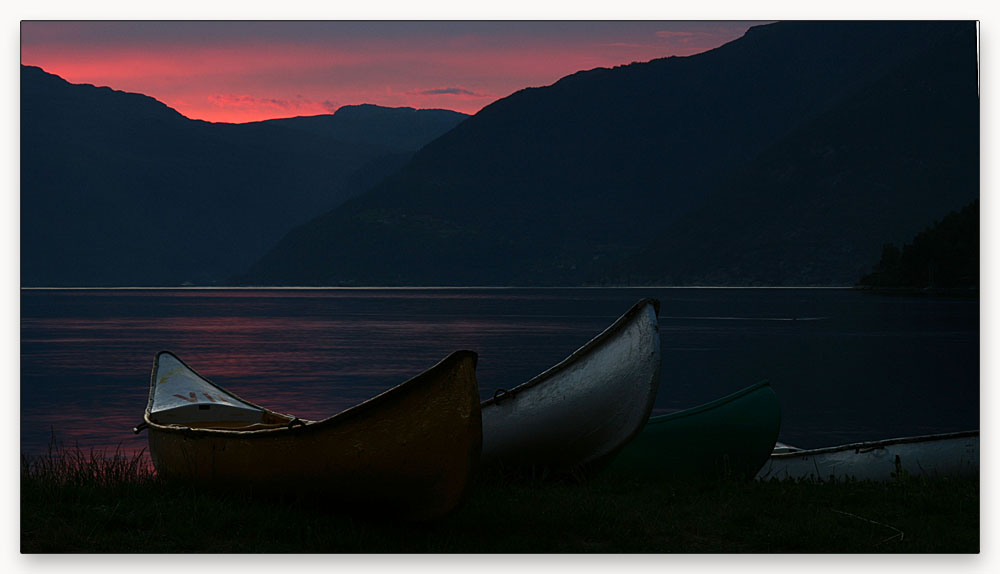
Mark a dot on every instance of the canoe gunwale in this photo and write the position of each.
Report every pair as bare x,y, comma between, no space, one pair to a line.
664,418
871,445
612,330
310,426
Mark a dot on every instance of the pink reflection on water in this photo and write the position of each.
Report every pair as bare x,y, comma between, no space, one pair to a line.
105,428
309,365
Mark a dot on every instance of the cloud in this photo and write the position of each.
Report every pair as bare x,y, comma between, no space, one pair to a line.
247,102
623,45
668,40
680,36
449,92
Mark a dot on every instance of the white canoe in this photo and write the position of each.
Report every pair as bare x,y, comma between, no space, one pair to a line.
951,454
581,411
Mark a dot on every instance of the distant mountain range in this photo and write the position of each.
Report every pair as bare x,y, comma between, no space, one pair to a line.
119,189
816,207
786,157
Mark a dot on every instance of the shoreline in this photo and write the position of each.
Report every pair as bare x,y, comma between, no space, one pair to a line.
89,506
430,287
934,292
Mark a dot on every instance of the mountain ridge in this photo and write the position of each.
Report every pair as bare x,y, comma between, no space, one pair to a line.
119,189
889,160
538,186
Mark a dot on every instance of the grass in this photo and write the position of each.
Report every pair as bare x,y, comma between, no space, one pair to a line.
102,502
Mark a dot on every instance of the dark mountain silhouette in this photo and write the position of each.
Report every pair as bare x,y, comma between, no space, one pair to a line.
119,189
399,129
561,184
814,208
943,256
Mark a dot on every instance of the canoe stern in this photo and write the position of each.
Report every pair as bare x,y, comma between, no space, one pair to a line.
410,452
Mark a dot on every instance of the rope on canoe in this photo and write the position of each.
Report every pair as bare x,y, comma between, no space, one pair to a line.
899,533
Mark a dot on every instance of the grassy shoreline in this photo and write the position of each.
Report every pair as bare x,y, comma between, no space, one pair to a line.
90,503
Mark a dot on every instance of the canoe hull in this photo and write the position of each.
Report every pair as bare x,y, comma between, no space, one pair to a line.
580,412
410,451
952,454
731,437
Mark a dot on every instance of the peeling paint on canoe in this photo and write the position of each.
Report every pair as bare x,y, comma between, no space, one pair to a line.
180,396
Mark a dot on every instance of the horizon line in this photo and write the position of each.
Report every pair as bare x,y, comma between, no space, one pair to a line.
270,119
418,287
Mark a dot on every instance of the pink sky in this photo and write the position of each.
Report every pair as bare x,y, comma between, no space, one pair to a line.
248,71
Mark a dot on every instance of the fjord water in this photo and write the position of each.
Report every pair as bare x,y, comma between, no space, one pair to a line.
846,366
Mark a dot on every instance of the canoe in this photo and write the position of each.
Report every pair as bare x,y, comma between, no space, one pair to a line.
731,437
950,454
580,412
408,452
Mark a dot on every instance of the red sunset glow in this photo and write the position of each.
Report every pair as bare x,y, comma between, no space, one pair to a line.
249,71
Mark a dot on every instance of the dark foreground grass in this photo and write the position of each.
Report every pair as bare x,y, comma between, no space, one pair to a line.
85,503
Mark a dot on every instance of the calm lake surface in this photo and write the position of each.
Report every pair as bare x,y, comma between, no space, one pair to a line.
846,366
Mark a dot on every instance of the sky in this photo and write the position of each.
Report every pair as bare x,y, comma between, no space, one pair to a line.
192,9
240,71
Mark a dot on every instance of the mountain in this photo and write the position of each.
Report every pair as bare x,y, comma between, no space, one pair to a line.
595,178
399,129
119,189
816,207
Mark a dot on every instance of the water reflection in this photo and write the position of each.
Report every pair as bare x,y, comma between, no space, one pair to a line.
867,368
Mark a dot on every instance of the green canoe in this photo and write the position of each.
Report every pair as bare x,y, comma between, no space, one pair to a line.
728,437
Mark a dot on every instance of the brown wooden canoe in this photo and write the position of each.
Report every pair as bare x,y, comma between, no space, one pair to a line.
409,452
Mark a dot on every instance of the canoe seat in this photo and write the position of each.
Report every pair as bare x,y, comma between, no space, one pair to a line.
269,420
